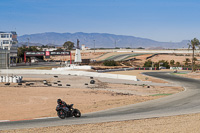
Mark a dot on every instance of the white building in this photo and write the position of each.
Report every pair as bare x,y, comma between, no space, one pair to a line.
49,49
8,39
83,47
8,49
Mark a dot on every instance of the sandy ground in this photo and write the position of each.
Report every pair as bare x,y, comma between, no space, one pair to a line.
180,59
142,58
98,56
173,124
41,99
90,55
139,62
194,75
142,77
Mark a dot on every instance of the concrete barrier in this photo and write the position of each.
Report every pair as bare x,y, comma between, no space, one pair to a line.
64,72
176,68
70,66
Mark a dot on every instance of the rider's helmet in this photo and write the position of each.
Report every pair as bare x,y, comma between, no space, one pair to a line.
59,101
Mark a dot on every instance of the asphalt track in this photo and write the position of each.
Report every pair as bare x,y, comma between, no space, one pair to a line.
185,102
120,57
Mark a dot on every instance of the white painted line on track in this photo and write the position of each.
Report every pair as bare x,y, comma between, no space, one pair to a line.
44,118
28,119
4,120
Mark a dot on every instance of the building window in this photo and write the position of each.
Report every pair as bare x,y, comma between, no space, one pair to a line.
5,42
5,35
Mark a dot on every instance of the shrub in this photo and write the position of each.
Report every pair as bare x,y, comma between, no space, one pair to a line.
148,63
110,63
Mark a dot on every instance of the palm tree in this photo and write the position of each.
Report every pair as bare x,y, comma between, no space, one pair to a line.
187,60
172,63
193,44
178,64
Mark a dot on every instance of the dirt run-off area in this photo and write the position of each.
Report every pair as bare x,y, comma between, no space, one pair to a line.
39,100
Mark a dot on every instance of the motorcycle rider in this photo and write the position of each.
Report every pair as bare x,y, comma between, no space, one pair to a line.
63,105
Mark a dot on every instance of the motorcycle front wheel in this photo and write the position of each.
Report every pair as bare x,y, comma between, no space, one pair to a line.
61,114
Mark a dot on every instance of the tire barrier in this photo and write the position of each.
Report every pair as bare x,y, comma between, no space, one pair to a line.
92,82
11,79
7,83
185,68
127,69
59,84
151,56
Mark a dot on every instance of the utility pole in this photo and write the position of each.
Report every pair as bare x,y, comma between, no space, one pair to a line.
78,44
28,41
152,65
116,42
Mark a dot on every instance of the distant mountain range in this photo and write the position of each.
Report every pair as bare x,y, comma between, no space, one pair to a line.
100,40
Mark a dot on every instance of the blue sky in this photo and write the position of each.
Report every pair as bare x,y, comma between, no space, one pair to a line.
160,20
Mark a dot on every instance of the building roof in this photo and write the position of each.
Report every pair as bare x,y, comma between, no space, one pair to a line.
12,32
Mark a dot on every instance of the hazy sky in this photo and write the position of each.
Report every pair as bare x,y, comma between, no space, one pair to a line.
160,20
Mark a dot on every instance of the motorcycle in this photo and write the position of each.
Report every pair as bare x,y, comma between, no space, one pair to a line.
72,112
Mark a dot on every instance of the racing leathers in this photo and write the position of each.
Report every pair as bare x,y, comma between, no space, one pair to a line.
64,106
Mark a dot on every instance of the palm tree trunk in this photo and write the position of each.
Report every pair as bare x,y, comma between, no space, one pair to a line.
193,60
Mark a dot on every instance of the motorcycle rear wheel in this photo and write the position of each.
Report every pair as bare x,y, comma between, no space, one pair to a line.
77,113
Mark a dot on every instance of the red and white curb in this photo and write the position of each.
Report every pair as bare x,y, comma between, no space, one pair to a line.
28,119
